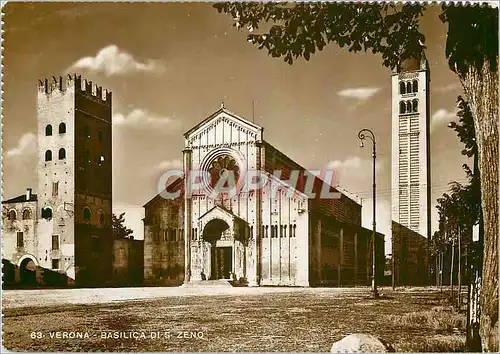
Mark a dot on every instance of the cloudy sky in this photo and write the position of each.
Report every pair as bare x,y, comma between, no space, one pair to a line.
170,65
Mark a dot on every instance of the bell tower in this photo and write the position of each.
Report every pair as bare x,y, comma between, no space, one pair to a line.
74,179
410,201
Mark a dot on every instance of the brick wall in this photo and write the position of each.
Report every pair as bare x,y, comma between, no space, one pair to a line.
410,256
27,226
164,242
128,262
343,209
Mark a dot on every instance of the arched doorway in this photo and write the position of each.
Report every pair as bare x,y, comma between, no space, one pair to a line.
221,255
28,272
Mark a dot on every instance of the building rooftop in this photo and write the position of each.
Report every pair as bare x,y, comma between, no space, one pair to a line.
21,199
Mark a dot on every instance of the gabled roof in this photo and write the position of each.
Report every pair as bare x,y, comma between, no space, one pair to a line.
225,210
291,164
174,186
21,199
216,113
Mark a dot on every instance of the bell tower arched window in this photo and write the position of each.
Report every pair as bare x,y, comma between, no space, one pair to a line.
100,215
402,107
62,154
48,155
408,87
408,107
415,86
48,130
402,88
47,213
86,214
62,128
415,105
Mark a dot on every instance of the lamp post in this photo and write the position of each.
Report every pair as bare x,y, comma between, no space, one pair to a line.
362,135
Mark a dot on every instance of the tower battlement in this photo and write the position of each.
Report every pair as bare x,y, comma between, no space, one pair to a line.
85,87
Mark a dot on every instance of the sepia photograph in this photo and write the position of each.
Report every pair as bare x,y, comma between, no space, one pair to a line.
250,176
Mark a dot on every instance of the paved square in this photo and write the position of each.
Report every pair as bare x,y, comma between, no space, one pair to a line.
213,319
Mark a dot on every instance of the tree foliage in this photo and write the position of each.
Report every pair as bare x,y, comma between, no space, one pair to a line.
465,128
391,29
460,208
118,226
472,37
299,29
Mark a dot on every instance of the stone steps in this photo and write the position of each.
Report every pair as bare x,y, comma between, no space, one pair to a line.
220,283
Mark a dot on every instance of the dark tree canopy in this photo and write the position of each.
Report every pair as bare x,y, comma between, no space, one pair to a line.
458,207
299,29
467,135
119,229
465,128
472,36
462,206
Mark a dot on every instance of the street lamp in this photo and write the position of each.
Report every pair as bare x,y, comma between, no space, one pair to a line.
362,135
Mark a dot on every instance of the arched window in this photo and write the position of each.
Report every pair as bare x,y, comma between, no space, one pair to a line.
402,88
402,107
46,213
415,86
48,130
12,215
26,214
415,105
86,214
62,154
408,107
408,87
100,214
62,128
48,155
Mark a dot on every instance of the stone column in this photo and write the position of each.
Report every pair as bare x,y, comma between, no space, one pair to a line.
302,238
216,261
233,257
202,249
17,275
187,214
255,242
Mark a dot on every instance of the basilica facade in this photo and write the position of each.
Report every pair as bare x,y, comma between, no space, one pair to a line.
242,210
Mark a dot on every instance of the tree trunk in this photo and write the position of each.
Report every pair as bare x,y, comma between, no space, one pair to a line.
481,90
459,280
436,261
441,261
451,268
